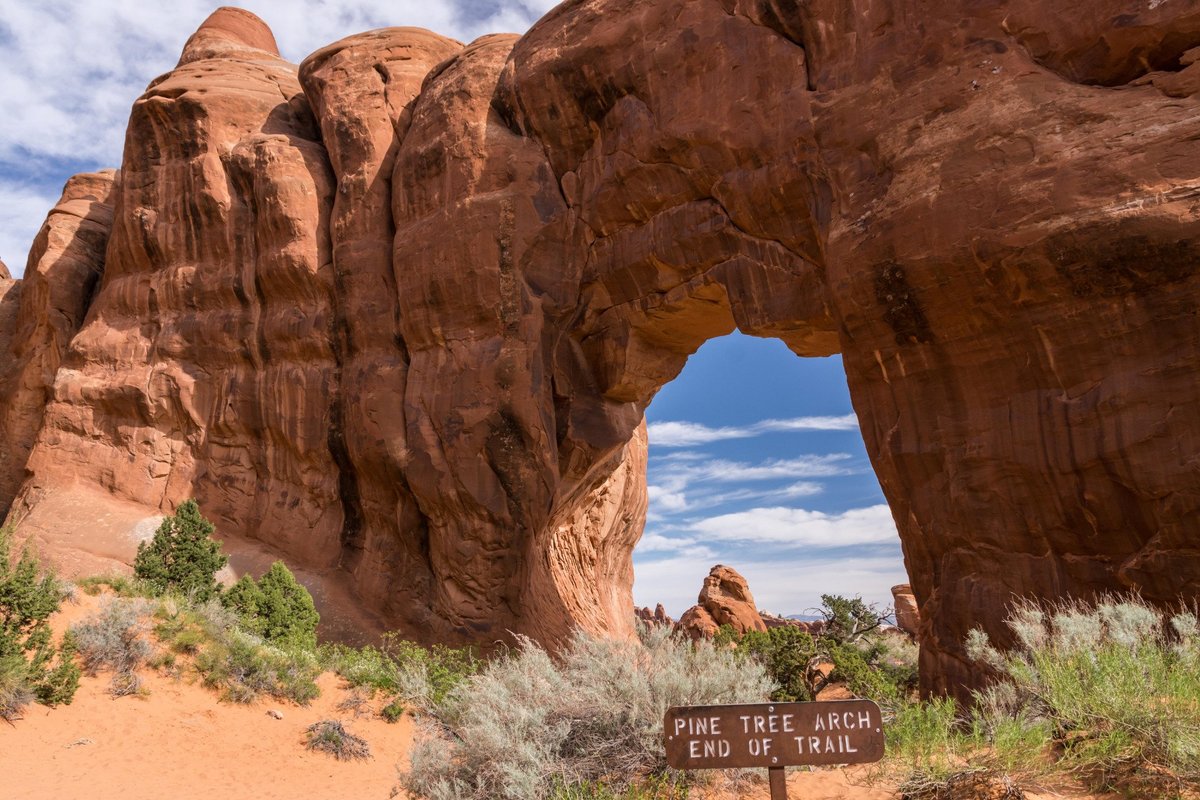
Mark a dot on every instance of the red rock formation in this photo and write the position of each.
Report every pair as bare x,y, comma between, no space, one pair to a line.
65,263
410,339
206,367
656,618
725,599
908,617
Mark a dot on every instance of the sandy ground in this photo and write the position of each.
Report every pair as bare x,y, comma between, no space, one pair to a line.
180,741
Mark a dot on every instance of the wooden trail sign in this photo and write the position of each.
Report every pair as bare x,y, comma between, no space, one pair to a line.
774,736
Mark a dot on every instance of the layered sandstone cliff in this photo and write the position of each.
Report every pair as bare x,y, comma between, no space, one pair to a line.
398,313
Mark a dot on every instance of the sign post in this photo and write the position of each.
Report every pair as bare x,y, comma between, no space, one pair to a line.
774,736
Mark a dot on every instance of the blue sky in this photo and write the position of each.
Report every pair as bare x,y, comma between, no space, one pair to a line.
755,460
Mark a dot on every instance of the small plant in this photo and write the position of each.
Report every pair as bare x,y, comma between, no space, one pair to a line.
113,639
182,557
120,585
393,711
276,607
31,667
329,736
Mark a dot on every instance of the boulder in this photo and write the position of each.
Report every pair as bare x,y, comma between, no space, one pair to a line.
908,618
725,599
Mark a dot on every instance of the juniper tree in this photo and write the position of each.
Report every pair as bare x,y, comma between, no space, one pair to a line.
182,557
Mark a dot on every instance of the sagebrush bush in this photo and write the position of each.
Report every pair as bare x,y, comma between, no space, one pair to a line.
1115,686
31,667
182,557
114,639
275,607
529,726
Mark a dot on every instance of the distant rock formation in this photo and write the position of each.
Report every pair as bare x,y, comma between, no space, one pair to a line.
398,313
725,599
656,618
908,618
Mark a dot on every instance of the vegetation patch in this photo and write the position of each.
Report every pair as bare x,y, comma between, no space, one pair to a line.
182,557
275,607
329,736
532,726
114,639
31,666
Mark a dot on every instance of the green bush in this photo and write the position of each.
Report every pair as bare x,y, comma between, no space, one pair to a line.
276,607
785,653
182,557
243,666
31,667
872,663
414,674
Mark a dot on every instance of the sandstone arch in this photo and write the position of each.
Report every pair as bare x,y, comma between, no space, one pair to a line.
398,315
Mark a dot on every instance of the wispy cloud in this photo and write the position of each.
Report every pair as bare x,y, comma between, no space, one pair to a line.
675,476
798,527
692,434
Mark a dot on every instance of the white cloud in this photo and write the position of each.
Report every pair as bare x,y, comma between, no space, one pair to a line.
781,585
798,527
676,476
690,434
73,68
22,211
675,502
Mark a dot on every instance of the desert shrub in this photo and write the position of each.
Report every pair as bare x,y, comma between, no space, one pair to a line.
421,676
1115,687
243,666
393,711
653,788
530,726
785,653
182,557
31,667
113,639
872,663
330,736
275,607
120,585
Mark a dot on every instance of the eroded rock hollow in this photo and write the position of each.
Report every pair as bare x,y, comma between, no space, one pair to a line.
397,313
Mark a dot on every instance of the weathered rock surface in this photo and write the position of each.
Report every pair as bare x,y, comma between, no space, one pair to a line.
725,599
65,263
402,323
908,617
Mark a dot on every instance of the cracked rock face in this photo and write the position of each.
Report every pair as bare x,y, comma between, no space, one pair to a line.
398,313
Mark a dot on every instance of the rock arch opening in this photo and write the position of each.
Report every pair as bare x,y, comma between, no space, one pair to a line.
756,461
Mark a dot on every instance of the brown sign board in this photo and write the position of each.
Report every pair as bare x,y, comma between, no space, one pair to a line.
773,734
